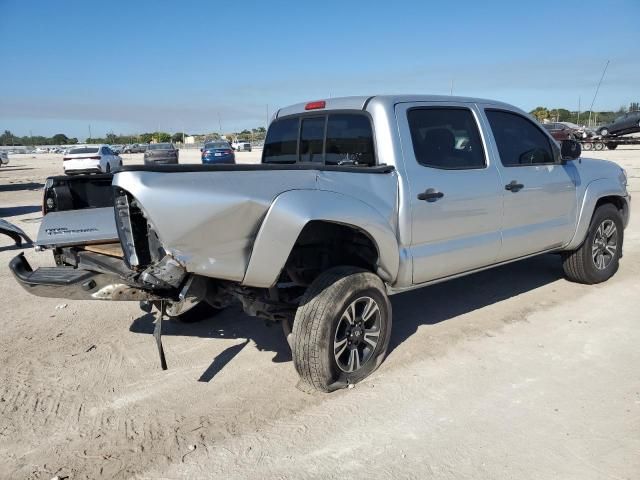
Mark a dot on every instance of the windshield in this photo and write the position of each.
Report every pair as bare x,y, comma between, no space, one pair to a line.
160,146
83,150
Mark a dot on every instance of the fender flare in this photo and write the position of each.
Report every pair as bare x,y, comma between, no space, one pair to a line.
595,190
292,210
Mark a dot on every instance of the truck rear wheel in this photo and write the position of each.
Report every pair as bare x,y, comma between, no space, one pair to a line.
341,329
597,259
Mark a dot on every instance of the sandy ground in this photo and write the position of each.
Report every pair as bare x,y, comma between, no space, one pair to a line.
510,373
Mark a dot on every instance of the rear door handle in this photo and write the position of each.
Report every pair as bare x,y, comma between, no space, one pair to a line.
514,186
430,195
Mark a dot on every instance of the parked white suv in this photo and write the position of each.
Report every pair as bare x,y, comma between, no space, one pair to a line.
241,145
90,159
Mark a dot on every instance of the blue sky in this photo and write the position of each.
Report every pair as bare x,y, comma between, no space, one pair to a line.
136,66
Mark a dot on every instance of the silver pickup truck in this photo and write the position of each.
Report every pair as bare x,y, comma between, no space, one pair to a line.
355,199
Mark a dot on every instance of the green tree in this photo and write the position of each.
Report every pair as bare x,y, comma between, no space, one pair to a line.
7,138
162,137
112,138
178,136
59,139
146,137
541,113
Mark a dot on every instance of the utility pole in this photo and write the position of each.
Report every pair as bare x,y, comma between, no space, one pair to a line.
89,132
451,89
578,121
596,94
267,125
220,125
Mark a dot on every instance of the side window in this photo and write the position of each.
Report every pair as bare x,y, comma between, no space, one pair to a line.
281,144
106,151
446,138
519,141
311,139
349,140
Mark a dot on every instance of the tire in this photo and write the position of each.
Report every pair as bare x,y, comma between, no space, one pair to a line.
108,168
200,312
612,146
581,265
587,146
604,132
324,320
598,146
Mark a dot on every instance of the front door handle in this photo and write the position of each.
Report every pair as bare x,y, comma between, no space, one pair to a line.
430,195
513,186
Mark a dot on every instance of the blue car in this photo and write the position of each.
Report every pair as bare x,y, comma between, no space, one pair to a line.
217,152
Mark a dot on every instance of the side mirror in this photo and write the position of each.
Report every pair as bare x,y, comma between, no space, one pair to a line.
570,150
202,149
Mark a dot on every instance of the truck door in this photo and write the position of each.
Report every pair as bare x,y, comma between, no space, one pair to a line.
454,190
539,192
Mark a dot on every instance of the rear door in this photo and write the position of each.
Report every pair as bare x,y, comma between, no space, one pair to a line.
454,189
539,192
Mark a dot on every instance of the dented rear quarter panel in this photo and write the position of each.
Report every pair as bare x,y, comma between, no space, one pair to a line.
367,202
209,221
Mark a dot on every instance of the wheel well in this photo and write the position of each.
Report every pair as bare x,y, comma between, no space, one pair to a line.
613,200
322,245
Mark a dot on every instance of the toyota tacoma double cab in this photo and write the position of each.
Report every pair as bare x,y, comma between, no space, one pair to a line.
355,199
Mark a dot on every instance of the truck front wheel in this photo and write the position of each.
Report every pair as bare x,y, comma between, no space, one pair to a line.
597,259
341,329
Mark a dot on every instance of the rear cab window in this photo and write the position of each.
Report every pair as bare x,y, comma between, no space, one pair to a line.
337,138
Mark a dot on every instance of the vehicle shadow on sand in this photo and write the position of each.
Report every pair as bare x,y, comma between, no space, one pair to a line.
15,187
232,323
424,306
442,301
21,210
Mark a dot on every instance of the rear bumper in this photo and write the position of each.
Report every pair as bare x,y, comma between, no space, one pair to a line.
81,166
74,283
213,160
82,171
161,161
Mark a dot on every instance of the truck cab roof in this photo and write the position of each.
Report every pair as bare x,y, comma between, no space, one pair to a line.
361,102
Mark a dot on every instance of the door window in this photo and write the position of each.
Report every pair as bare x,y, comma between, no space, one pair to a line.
519,141
446,138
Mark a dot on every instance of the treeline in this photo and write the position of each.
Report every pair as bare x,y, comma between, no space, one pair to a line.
581,118
8,138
